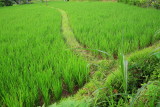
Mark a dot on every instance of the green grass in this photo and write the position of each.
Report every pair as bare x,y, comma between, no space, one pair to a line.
35,65
102,25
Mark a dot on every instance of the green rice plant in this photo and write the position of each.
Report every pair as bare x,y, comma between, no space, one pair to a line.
80,77
68,79
101,24
57,87
35,66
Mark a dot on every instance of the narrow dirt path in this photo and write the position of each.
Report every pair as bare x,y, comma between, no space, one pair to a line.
70,38
71,41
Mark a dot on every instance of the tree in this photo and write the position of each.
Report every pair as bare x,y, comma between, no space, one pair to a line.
6,2
1,3
11,2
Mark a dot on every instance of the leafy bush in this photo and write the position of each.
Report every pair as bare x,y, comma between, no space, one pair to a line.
143,3
1,3
6,3
148,95
143,66
156,4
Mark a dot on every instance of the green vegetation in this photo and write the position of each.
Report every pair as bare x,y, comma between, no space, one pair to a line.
143,82
41,65
143,74
35,67
71,103
12,2
143,3
6,3
103,25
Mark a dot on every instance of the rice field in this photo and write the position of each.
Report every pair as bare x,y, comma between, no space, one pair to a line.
36,65
105,25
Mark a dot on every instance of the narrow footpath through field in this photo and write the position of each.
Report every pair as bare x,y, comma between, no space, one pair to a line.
71,41
101,69
93,61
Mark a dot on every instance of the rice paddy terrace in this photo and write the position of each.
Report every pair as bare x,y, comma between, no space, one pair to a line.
64,49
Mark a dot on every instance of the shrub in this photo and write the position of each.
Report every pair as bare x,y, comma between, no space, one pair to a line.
148,95
143,67
6,3
156,4
143,3
1,3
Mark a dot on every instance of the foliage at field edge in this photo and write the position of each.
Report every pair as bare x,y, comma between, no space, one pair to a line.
11,2
143,82
143,3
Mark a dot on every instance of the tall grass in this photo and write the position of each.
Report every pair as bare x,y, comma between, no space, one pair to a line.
35,67
99,25
124,68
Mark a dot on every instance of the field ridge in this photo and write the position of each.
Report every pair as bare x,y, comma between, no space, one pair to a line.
71,41
81,50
